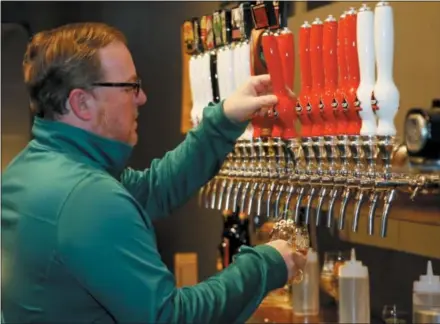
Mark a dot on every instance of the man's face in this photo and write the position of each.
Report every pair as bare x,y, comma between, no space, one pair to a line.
117,107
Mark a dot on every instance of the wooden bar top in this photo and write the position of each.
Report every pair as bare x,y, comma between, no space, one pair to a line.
277,308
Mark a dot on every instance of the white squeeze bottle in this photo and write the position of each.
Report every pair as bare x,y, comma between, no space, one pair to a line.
305,295
426,292
354,292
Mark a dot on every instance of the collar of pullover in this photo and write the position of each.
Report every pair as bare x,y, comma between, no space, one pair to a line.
85,146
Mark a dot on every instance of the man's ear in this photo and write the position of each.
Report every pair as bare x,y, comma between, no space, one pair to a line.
80,103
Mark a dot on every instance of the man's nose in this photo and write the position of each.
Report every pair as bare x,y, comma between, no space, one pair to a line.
141,98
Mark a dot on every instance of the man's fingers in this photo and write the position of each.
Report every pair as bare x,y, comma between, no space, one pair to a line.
261,79
266,100
299,260
261,83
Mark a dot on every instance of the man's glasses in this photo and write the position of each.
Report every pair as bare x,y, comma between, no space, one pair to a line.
136,86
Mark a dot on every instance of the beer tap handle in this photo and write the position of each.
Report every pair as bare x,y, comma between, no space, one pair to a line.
228,194
340,104
277,200
273,62
288,199
243,197
213,196
260,198
310,197
286,46
194,77
357,210
221,194
303,104
207,194
321,196
256,125
201,195
331,205
236,193
354,121
365,47
330,63
317,69
345,198
298,204
251,198
269,199
385,91
388,200
262,126
372,212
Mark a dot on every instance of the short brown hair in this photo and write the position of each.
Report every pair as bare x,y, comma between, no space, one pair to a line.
62,59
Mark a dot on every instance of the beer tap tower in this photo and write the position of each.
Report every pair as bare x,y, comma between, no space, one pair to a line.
344,151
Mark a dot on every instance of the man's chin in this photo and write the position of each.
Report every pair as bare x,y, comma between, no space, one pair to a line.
133,139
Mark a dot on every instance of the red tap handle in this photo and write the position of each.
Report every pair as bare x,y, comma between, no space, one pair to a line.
286,46
316,38
354,121
303,104
273,62
340,105
272,57
304,54
260,124
317,77
256,129
329,50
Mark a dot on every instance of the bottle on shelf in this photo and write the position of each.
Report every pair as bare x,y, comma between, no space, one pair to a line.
235,234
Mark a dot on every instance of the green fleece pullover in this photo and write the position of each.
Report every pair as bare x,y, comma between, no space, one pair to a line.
77,238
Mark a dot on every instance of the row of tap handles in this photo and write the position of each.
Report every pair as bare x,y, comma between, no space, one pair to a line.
344,150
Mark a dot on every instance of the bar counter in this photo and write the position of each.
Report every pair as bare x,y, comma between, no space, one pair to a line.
277,308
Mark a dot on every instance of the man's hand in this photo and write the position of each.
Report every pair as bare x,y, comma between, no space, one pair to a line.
250,99
294,261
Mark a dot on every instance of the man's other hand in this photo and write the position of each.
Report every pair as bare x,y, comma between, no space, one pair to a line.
255,96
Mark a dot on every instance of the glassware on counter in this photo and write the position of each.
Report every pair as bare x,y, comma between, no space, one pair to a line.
329,273
391,314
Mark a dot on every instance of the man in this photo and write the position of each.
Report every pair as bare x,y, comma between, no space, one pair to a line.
78,242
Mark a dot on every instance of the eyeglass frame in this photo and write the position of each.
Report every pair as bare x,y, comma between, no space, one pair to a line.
136,86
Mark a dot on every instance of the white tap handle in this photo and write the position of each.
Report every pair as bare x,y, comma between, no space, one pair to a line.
205,86
246,59
365,48
229,66
199,88
237,64
221,72
192,84
385,90
239,74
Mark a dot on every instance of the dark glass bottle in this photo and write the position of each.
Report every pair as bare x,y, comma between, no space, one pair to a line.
235,234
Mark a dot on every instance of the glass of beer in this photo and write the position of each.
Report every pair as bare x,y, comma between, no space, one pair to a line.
296,235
